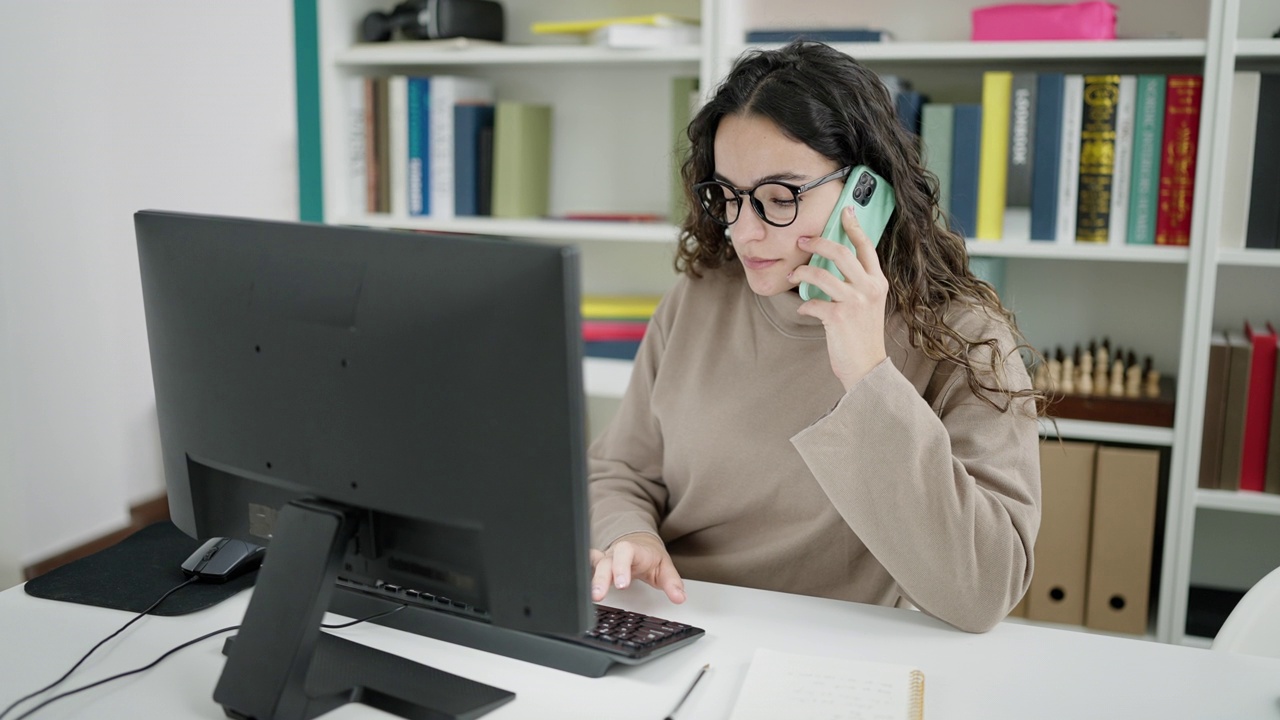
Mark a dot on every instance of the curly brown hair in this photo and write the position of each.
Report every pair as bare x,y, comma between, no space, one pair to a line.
827,100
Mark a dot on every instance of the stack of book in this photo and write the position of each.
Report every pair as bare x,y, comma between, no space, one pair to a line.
636,31
440,146
1251,215
614,325
1068,158
1240,446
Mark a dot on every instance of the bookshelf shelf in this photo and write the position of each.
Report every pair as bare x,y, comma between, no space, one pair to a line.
1080,251
1108,432
408,53
533,228
1257,49
1249,258
1250,502
966,51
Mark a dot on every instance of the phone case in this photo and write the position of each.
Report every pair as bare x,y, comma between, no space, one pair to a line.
873,202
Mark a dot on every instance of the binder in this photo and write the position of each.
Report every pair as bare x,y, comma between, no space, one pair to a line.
1124,521
1057,591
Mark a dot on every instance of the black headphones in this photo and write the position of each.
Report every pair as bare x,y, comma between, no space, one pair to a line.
436,20
411,18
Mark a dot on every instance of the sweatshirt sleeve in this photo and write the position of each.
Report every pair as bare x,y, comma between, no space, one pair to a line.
624,465
947,497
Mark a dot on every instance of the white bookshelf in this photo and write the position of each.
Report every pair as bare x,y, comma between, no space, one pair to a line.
609,155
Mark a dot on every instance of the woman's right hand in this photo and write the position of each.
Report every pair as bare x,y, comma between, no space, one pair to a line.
638,555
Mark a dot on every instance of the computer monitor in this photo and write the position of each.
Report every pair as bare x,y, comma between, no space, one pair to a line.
379,405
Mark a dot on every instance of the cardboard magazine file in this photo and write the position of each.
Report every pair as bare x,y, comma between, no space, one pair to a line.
1124,522
1057,591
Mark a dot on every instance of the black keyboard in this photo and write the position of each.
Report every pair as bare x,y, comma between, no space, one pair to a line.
619,636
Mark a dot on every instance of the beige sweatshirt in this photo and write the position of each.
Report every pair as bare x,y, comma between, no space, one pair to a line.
738,447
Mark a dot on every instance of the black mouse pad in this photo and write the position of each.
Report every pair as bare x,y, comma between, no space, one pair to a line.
134,573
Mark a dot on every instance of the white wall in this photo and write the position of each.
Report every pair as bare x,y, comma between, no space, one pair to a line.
109,108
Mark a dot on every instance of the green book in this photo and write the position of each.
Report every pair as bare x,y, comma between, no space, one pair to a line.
684,100
1144,180
521,160
936,123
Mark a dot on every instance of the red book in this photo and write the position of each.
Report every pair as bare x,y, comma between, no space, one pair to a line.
610,330
1178,159
1257,413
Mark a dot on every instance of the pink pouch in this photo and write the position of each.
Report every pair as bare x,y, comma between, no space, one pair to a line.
1092,20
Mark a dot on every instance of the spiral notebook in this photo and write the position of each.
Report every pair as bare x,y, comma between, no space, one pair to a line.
780,685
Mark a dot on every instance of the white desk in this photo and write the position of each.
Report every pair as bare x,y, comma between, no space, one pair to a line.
1015,671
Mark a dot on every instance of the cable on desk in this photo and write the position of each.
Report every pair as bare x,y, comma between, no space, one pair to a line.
101,642
173,650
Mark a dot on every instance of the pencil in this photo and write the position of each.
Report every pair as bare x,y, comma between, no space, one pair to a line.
671,715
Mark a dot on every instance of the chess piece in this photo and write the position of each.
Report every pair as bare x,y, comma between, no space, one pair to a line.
1101,365
1040,379
1055,373
1116,385
1068,376
1133,381
1085,386
1153,379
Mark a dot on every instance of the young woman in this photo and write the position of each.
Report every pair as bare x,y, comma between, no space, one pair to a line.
880,446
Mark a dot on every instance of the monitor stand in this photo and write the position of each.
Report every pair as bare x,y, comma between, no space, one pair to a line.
282,667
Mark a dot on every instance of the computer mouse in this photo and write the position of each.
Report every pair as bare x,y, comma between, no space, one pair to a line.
220,559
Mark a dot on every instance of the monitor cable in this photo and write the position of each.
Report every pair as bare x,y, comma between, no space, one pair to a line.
153,663
94,649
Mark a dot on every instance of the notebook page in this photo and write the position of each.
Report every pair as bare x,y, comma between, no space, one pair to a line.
780,685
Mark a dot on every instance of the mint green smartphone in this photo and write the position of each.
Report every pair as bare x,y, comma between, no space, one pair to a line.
873,202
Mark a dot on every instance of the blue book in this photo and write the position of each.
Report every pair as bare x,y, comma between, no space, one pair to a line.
1047,144
618,349
419,148
908,103
966,150
469,122
830,35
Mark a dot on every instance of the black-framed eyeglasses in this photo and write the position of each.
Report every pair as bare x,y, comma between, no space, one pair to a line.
777,203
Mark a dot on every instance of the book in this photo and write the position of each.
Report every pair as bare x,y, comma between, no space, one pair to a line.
484,169
1069,157
611,330
826,35
1237,181
966,148
790,685
1239,356
1215,407
1021,156
521,160
997,86
684,103
1257,416
1097,157
628,35
1144,176
469,121
398,144
1048,143
1178,159
382,133
581,27
357,179
613,349
447,92
634,307
1272,482
1264,212
937,125
908,103
1122,165
419,100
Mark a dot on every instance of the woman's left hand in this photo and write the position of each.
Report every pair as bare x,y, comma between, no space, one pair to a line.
854,317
